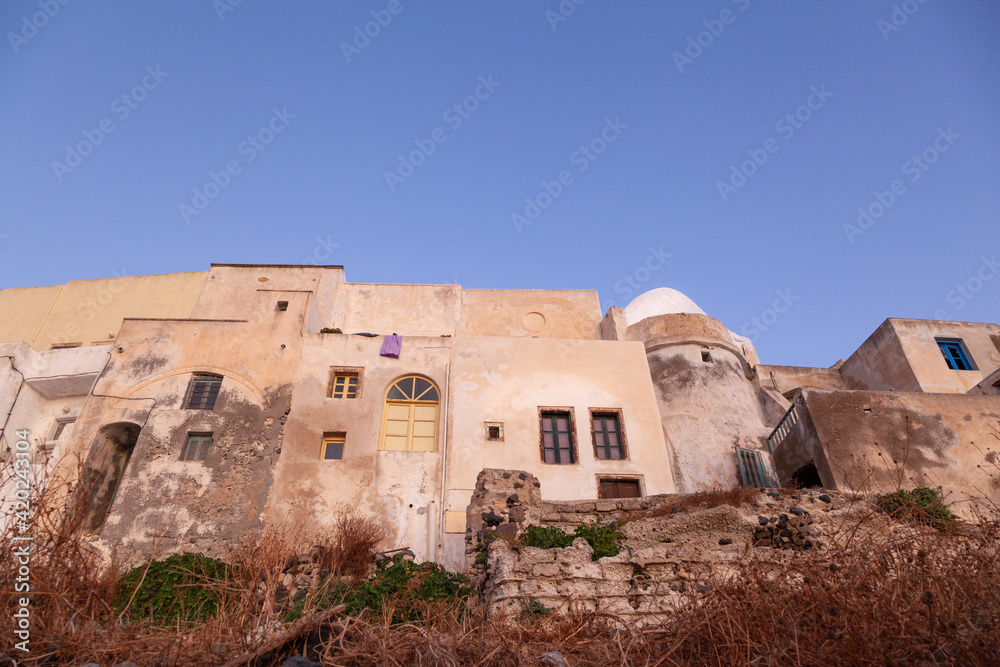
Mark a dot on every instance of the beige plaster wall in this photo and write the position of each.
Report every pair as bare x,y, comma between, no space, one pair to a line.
399,490
230,290
200,506
531,313
917,339
87,311
785,379
881,441
408,310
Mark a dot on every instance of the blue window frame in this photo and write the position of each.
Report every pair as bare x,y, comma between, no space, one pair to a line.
955,354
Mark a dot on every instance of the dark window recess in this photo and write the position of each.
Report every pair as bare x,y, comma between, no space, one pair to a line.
493,432
557,441
333,448
705,356
955,354
619,488
202,393
196,447
282,306
607,438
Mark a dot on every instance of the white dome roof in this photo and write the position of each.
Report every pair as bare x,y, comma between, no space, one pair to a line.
659,301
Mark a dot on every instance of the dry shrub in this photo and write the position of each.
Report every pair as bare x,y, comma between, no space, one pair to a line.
700,500
352,546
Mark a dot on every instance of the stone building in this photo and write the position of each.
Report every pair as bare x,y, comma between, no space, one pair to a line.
198,406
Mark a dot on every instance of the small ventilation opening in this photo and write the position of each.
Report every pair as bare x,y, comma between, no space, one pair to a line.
806,477
706,356
493,432
282,306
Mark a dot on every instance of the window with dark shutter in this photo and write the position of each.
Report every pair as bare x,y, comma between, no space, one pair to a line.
202,393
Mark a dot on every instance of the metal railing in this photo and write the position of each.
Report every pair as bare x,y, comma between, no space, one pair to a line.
752,469
783,428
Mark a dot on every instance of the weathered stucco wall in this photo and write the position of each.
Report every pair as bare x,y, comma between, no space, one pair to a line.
880,364
786,379
882,441
86,311
706,408
918,341
230,290
195,505
531,313
400,490
407,310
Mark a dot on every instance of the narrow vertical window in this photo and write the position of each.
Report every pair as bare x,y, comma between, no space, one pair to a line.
607,437
557,438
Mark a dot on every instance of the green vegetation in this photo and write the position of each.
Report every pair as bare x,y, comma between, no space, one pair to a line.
546,537
604,539
180,587
921,505
334,330
408,589
533,611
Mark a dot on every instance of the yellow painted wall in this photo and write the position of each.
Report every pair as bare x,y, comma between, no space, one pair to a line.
87,311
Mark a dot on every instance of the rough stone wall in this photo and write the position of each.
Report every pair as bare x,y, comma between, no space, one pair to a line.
666,561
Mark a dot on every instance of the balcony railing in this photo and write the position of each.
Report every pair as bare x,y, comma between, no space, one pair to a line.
783,428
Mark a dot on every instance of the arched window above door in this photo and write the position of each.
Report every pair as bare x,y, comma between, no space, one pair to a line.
410,415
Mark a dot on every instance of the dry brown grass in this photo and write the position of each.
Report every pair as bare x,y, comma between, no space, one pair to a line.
701,500
888,595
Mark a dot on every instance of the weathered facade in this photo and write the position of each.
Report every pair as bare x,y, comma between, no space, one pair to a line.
195,407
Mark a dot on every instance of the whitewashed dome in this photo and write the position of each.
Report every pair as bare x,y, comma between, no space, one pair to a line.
659,301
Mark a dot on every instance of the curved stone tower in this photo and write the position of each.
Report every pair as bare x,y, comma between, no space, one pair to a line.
701,374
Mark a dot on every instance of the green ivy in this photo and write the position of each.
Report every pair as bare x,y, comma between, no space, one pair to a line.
405,587
921,505
546,537
177,588
604,539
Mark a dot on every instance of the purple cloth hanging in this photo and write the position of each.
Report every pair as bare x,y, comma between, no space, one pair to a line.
391,346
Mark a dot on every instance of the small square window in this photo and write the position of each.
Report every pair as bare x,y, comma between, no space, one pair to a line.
494,431
706,356
955,354
203,392
282,306
196,447
345,385
557,437
345,382
333,447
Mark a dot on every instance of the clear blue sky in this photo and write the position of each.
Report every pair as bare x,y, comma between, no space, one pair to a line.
310,114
